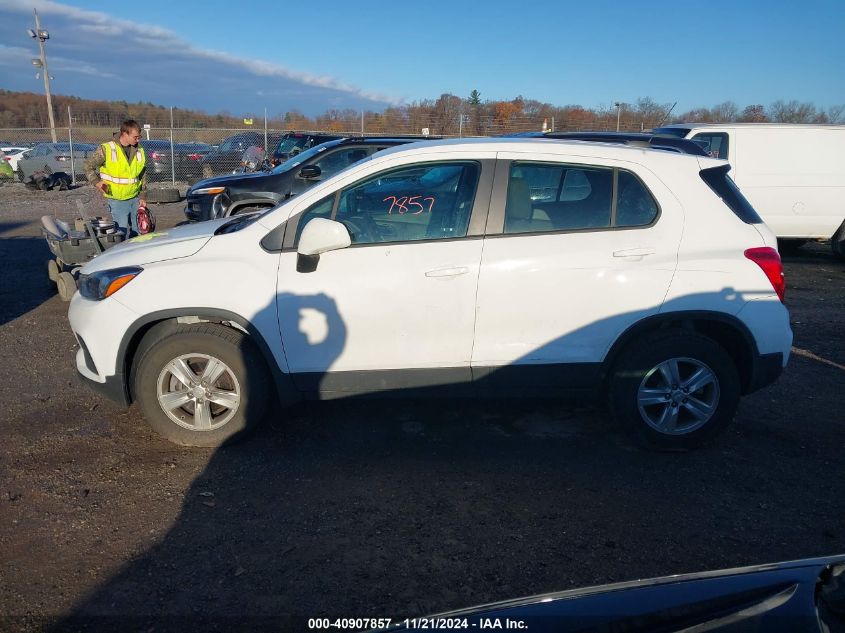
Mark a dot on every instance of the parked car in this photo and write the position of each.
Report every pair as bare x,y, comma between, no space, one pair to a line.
196,151
806,596
186,165
227,157
429,270
12,153
794,175
293,143
223,196
54,157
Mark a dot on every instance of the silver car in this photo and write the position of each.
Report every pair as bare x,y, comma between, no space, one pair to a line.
54,157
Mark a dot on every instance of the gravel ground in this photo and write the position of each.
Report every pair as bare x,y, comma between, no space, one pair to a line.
387,508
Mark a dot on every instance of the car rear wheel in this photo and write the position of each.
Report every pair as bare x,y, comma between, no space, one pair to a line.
202,385
674,390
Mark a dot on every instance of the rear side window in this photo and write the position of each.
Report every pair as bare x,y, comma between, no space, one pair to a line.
714,143
634,206
717,179
544,197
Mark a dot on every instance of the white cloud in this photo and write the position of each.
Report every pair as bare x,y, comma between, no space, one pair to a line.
162,39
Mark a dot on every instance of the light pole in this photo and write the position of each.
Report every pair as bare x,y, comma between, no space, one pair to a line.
618,110
42,36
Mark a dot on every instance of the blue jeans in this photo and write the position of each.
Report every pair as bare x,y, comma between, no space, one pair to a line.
123,212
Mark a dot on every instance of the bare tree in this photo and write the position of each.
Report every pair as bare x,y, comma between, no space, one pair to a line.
726,112
836,114
792,112
753,114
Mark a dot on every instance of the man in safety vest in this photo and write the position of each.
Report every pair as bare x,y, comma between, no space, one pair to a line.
118,169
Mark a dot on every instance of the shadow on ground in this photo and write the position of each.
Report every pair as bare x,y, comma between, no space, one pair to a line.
24,284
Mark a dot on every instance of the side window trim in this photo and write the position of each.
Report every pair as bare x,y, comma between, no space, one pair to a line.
499,193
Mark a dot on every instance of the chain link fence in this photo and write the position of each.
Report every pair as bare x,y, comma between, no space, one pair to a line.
183,155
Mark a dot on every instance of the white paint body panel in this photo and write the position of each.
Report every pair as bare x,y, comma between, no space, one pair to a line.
565,297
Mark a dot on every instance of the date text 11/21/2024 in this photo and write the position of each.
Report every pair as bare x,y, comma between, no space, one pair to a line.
419,624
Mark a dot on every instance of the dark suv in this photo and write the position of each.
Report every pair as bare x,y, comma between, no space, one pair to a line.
227,195
293,143
227,157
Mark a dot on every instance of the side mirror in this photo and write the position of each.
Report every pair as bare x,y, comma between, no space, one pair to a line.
320,235
310,171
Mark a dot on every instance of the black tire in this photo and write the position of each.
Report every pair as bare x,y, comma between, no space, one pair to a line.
837,242
66,285
163,195
645,354
168,342
19,173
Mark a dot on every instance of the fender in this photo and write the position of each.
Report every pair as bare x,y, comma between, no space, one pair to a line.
747,358
285,388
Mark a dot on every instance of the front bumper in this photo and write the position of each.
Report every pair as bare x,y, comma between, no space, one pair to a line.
113,388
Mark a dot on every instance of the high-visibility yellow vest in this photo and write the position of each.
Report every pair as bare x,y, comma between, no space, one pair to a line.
123,177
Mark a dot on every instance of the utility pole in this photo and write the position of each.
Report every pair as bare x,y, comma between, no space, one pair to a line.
618,108
42,36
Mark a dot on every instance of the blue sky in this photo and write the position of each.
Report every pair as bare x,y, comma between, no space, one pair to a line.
367,53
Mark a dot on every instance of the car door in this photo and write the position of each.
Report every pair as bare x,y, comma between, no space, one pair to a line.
576,252
396,309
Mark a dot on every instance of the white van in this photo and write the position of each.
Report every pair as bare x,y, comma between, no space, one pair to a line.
793,175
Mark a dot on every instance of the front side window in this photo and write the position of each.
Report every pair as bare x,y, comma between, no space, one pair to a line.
321,209
715,144
419,202
548,197
427,201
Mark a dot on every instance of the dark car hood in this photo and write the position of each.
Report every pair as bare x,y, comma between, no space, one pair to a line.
789,597
231,180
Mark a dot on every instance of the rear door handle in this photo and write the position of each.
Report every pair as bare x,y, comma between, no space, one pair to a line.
634,252
451,271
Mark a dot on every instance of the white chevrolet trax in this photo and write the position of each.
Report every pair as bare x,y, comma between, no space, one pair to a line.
494,267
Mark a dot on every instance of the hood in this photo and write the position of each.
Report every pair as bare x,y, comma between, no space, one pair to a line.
180,241
226,181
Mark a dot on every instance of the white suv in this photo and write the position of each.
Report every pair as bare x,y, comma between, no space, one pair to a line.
501,267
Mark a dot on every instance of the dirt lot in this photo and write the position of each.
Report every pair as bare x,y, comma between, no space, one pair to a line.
383,509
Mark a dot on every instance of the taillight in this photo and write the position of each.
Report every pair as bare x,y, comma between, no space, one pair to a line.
768,259
195,156
7,158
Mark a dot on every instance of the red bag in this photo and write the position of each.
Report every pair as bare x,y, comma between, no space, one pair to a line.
146,221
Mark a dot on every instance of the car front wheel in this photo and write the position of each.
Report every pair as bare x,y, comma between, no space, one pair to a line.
674,390
201,385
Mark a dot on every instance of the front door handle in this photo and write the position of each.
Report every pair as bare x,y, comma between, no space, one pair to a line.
634,252
451,271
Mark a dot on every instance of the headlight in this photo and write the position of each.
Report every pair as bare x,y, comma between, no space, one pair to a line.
105,283
208,191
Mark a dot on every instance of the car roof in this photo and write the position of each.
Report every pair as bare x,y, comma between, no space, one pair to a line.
591,149
664,141
803,126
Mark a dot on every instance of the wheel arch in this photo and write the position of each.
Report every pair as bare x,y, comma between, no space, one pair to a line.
135,334
725,329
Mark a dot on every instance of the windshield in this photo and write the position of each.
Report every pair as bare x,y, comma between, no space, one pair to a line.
291,142
293,161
